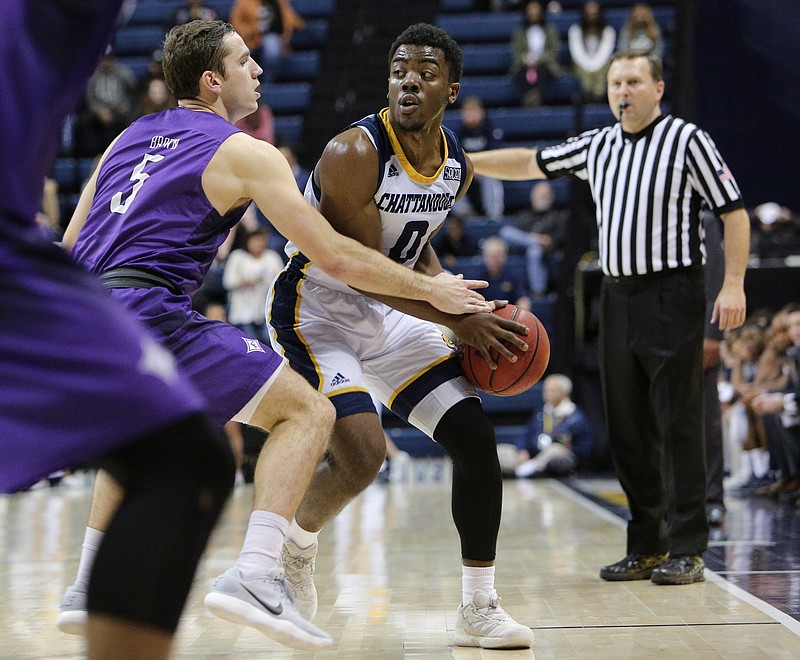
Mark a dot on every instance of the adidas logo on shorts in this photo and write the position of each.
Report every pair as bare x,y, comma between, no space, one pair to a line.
339,379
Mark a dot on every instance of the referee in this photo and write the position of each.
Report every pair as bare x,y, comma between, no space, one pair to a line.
649,175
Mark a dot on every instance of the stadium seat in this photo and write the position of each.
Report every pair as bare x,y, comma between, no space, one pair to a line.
495,91
596,115
314,8
534,123
288,98
524,403
303,65
480,27
138,39
481,59
312,36
139,64
289,127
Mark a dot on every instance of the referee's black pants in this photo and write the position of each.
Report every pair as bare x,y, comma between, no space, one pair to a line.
651,366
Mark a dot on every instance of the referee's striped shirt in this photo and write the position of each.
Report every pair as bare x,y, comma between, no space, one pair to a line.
648,188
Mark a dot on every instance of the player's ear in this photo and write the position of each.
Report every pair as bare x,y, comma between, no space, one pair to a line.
210,81
454,89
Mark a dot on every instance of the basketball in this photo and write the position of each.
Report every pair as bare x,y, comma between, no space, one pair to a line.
509,378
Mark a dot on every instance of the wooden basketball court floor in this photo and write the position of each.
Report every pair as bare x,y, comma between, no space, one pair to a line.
389,580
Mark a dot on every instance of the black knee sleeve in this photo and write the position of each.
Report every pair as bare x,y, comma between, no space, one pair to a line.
477,498
176,481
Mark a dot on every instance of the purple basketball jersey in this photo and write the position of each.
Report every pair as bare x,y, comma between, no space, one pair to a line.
149,210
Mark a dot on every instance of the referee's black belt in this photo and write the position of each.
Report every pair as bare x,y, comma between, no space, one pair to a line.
133,278
655,276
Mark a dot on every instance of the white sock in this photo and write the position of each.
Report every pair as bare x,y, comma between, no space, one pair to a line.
476,578
302,538
261,550
91,544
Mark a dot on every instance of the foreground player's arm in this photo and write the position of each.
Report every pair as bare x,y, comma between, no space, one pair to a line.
349,205
512,164
730,306
244,168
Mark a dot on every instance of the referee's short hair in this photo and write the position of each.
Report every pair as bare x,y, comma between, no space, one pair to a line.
656,65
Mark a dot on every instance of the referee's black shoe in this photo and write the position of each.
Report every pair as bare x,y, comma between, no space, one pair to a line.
680,569
633,566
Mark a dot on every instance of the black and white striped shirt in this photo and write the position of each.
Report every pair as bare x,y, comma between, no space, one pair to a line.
648,189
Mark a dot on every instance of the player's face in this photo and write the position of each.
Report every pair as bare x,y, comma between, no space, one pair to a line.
240,86
419,87
630,80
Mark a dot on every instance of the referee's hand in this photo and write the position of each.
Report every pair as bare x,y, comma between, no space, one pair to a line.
730,307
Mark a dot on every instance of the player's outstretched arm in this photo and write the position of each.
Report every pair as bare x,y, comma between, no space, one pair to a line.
244,168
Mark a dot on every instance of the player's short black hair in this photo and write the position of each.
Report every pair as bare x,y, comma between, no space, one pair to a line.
425,34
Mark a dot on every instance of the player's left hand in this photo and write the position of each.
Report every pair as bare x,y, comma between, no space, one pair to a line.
454,295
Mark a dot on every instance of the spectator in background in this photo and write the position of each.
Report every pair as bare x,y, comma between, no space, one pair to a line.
539,230
193,10
267,27
260,124
453,242
247,276
641,32
108,106
559,438
775,231
534,52
591,45
785,403
292,155
155,98
504,283
747,440
485,195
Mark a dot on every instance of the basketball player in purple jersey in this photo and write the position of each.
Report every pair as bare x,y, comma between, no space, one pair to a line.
149,223
81,382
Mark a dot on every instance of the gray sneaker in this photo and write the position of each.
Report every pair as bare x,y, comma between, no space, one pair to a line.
298,563
72,617
264,604
483,623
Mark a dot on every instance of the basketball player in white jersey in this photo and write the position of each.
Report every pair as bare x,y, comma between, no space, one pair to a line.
388,181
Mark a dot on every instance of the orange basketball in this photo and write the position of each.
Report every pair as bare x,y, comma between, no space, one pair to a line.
510,377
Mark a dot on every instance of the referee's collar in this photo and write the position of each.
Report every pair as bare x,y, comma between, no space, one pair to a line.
645,132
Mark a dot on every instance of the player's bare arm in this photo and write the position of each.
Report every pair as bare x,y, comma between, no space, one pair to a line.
244,168
512,164
83,206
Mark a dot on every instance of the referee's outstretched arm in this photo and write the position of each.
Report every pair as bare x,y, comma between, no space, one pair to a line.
511,164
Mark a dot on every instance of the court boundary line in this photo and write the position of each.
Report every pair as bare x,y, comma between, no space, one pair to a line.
771,611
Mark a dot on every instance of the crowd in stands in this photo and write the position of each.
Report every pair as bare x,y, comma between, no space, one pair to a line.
759,397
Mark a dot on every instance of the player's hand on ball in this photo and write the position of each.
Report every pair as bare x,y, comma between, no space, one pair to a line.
492,334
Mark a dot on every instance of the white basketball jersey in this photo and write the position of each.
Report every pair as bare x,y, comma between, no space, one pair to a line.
412,206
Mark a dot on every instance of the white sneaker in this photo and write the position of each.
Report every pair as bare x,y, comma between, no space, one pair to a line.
527,469
482,622
72,617
298,564
264,604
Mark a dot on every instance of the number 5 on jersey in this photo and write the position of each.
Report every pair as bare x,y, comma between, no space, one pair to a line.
139,176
